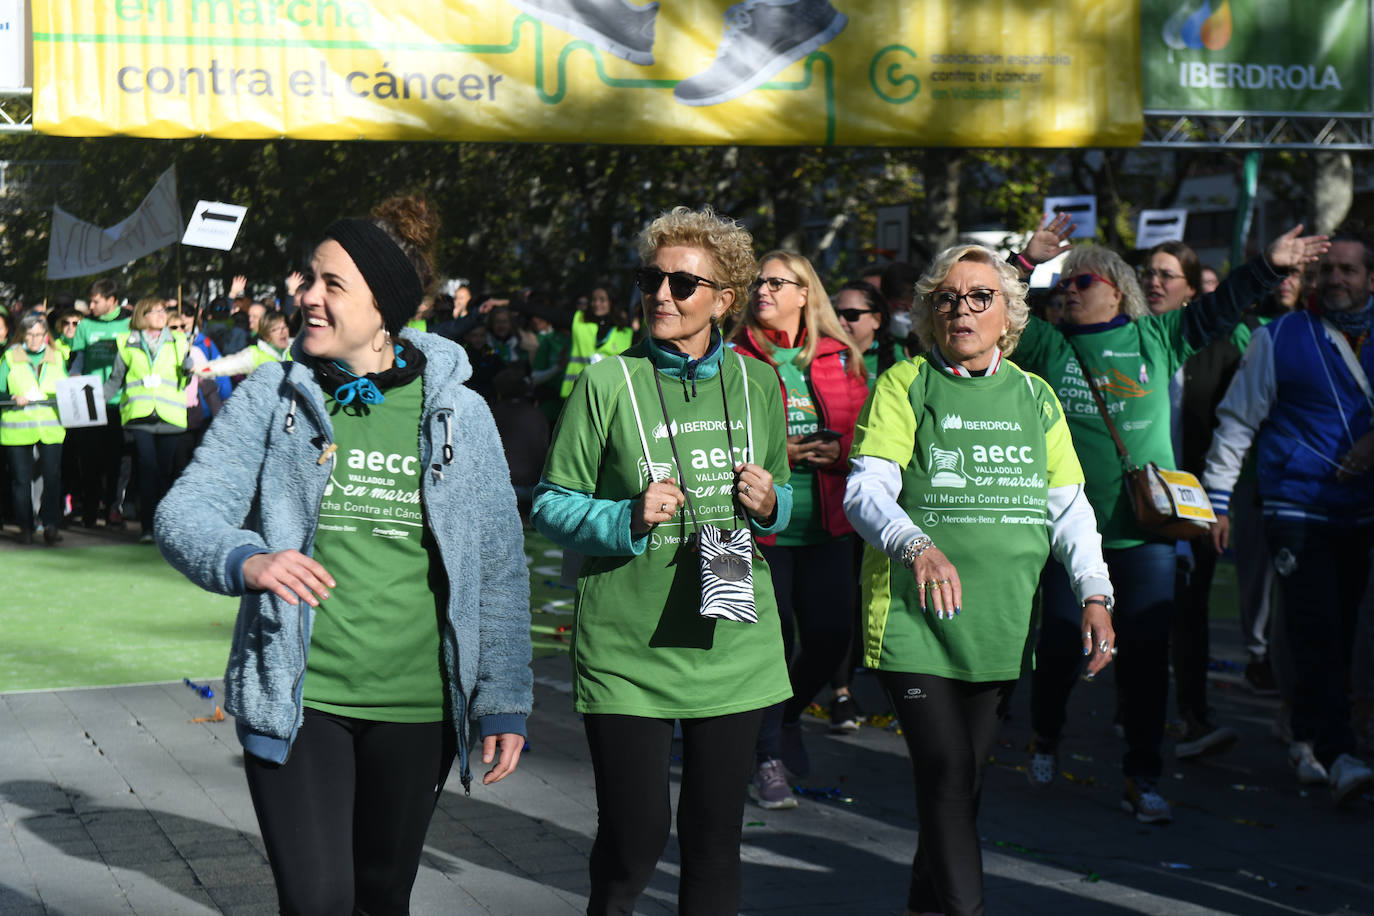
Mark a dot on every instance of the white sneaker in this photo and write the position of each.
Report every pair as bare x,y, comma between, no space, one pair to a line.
1308,768
1349,777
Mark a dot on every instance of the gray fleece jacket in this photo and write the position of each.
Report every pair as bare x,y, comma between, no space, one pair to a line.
255,486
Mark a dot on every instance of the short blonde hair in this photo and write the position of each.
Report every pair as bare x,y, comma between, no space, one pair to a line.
1013,293
818,317
268,322
728,244
1107,263
141,310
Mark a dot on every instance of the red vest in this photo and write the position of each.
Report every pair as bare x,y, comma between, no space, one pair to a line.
839,395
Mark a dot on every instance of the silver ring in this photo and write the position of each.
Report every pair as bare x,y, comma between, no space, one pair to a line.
1103,646
745,489
663,508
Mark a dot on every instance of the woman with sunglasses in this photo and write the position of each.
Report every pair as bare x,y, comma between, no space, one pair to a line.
654,445
964,482
790,325
865,315
1108,331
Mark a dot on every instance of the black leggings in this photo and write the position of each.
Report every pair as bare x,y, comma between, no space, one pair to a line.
344,819
949,727
814,586
630,756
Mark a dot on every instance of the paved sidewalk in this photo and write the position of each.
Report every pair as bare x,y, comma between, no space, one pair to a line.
112,802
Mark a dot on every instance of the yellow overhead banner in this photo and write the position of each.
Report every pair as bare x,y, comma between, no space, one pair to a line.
772,72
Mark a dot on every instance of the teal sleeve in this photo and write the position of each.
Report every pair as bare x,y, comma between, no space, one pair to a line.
580,521
4,373
781,515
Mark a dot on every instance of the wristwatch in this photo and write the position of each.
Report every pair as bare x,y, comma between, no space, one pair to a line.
1109,603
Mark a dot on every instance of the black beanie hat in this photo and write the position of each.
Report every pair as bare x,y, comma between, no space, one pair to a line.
388,272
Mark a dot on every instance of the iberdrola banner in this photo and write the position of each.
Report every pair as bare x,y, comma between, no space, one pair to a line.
1240,56
787,72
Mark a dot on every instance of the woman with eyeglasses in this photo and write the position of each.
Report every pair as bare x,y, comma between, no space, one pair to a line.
152,368
964,481
30,429
790,325
1107,330
865,315
661,452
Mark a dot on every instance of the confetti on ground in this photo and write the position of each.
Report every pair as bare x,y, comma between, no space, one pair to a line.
1254,877
754,824
824,793
1174,865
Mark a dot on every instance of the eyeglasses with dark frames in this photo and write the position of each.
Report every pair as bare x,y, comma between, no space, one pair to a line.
681,284
1149,273
946,301
773,283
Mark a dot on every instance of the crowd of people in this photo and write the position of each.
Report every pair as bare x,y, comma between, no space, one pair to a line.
930,473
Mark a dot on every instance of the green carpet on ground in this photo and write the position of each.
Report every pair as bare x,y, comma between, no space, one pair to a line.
107,615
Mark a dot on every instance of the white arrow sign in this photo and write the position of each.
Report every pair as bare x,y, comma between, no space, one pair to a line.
81,401
1082,208
214,225
1155,226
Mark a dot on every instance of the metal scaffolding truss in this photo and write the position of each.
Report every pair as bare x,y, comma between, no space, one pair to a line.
1243,131
16,110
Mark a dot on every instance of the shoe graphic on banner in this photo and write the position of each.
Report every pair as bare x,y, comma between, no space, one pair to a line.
614,26
762,37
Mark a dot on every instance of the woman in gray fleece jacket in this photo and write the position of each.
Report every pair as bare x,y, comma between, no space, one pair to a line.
358,500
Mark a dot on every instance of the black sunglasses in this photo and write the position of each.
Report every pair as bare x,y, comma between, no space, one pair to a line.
853,314
681,284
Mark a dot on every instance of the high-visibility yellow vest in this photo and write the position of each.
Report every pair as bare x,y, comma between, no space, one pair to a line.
264,353
34,423
584,350
156,385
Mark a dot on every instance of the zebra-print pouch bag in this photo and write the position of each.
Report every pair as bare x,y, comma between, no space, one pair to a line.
727,574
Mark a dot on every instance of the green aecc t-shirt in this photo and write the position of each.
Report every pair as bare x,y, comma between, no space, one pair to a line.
806,526
978,458
374,645
640,646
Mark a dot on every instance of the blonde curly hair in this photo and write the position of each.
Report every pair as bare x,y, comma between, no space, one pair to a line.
729,246
1014,291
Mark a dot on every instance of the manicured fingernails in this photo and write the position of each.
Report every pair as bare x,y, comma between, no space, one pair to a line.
957,609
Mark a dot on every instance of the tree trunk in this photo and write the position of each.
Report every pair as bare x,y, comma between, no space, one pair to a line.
938,227
1333,191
